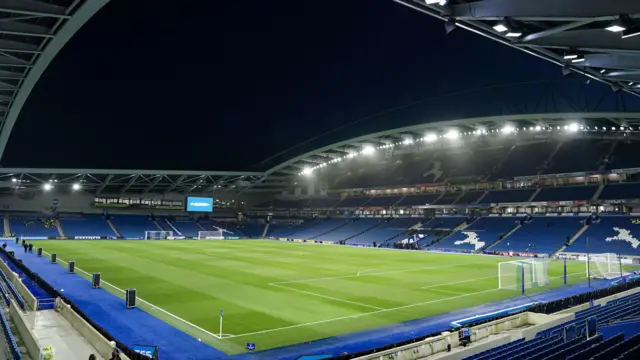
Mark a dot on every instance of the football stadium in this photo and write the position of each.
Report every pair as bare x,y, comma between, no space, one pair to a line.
496,224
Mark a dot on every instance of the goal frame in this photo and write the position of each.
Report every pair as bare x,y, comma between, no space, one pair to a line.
164,235
211,235
537,268
611,267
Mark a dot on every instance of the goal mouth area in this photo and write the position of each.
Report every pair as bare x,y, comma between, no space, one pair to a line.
609,276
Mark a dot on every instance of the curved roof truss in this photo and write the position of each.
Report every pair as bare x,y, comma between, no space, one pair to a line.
31,34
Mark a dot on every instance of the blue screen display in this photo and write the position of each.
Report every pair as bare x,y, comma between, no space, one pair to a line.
200,204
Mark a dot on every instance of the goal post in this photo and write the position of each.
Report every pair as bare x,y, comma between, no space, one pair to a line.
604,266
158,235
210,235
523,274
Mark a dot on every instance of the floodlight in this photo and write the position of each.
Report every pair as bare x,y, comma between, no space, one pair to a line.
631,83
508,129
407,141
603,71
432,2
538,128
570,56
76,186
578,59
452,134
14,180
431,137
502,26
307,171
514,33
47,186
368,150
616,27
573,127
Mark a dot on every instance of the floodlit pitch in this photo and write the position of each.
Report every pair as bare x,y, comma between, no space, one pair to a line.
276,293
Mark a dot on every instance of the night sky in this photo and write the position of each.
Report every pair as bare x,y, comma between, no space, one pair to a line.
213,85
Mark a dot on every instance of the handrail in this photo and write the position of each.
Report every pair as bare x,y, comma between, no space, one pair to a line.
13,290
15,351
5,294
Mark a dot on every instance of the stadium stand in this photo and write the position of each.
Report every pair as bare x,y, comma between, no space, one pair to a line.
508,196
609,234
478,235
386,230
443,222
386,201
578,155
321,203
415,200
250,229
542,234
625,155
85,225
285,228
186,226
447,198
352,228
34,227
566,193
44,300
526,159
620,191
133,226
319,228
470,197
351,202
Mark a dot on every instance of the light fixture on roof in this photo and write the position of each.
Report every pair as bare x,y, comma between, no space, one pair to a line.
538,128
573,127
452,134
514,33
76,186
633,31
570,56
432,2
602,71
501,26
47,186
431,137
577,59
368,150
616,27
631,83
307,171
507,129
14,180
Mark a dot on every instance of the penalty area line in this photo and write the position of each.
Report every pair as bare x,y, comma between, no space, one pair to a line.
326,296
363,314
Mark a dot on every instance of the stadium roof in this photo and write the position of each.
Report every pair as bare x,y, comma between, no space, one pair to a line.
614,124
123,182
591,37
31,35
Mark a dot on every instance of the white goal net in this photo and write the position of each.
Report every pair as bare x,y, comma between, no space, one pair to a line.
210,235
531,273
604,266
158,235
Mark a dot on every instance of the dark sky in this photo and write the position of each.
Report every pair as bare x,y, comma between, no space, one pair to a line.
222,85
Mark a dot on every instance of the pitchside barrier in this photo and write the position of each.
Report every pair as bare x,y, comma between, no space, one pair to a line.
177,322
130,353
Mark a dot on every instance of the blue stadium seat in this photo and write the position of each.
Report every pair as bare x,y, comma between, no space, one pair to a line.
388,229
470,197
86,225
415,200
33,226
507,196
133,226
319,228
527,159
482,233
625,155
352,228
385,201
620,191
611,234
566,193
544,234
187,227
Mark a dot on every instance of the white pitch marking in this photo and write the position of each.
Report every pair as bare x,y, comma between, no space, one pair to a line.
326,297
457,282
450,292
371,274
363,314
363,271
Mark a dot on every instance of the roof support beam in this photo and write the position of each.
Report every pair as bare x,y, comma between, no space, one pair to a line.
104,184
555,30
175,184
129,183
152,185
544,10
194,186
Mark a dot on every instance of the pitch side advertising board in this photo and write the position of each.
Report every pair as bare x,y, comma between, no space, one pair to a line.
200,204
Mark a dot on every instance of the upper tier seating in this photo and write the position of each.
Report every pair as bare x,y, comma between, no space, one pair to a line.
32,226
544,234
447,198
318,228
567,193
525,160
620,191
187,227
320,203
470,197
483,232
86,225
352,228
625,155
385,201
612,234
352,202
388,229
133,226
416,200
507,196
578,156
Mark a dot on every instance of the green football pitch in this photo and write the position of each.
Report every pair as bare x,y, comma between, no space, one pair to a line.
277,293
